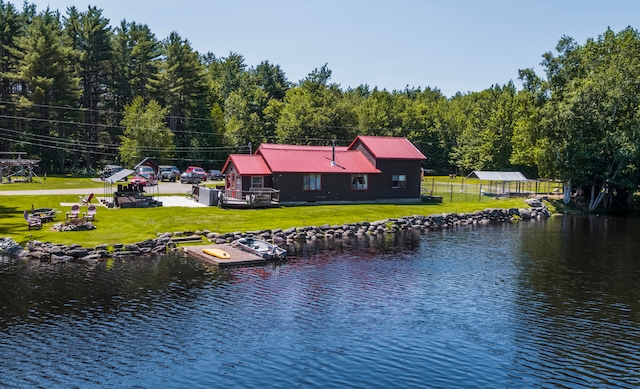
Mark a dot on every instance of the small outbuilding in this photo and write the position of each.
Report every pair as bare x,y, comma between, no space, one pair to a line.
502,183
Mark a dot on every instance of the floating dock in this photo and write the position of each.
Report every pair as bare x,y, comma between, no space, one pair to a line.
237,256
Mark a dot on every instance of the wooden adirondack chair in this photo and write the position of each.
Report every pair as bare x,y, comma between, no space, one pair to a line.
91,213
86,199
74,213
33,221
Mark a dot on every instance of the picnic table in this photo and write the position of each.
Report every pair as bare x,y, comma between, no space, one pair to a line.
46,214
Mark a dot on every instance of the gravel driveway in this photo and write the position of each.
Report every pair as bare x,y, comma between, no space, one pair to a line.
164,188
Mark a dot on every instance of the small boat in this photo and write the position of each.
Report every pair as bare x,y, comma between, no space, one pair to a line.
217,253
261,248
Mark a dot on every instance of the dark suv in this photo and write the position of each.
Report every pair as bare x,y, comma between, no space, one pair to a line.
166,173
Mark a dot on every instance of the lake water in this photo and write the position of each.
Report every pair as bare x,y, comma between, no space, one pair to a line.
547,303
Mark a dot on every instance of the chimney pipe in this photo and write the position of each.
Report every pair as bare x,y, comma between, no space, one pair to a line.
333,152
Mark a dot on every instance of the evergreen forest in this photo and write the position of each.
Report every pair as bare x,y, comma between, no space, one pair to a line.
77,92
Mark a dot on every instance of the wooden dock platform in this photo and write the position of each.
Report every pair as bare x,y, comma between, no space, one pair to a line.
238,257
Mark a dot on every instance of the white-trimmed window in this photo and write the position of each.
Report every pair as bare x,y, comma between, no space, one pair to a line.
257,182
312,181
399,181
359,182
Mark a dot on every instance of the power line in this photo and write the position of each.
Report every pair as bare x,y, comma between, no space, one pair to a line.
76,148
63,142
189,118
101,111
105,126
56,147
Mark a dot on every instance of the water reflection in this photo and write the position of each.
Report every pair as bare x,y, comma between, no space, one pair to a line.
577,306
35,292
550,303
376,243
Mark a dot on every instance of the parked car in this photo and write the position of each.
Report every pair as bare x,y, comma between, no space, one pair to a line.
109,170
150,177
199,171
146,169
190,178
138,180
215,175
176,171
167,173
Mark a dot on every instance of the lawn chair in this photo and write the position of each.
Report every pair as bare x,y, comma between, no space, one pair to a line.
74,213
91,213
86,199
33,221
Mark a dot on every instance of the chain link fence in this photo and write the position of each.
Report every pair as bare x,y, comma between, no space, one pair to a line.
470,189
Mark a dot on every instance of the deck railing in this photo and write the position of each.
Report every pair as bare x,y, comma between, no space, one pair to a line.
252,197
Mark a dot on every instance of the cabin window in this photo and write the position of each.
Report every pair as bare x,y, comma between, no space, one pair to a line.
312,181
359,182
257,182
399,181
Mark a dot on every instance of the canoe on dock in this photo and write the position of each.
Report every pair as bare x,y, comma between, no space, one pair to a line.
217,253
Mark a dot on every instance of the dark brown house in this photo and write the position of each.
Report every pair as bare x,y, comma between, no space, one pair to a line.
371,169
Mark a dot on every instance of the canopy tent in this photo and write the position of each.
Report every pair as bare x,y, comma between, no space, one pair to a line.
153,190
497,176
119,175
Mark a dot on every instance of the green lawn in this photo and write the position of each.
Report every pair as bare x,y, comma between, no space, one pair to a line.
53,182
135,225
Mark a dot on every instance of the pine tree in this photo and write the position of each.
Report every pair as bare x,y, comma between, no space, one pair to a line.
91,40
183,86
45,70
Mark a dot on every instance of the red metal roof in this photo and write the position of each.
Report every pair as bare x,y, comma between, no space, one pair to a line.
248,164
298,147
383,147
314,159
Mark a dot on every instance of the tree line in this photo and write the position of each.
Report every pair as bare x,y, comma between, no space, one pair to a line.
78,93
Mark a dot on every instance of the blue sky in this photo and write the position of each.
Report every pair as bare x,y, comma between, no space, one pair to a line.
453,45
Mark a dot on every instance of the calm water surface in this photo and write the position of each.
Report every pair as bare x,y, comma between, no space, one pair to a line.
551,303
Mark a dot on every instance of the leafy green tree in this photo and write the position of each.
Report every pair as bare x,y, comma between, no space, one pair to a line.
485,140
246,106
588,132
243,117
146,133
422,124
315,113
379,114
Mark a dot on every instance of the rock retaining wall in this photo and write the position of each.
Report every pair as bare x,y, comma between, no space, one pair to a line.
50,252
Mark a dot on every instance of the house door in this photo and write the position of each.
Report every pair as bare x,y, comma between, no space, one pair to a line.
238,187
234,186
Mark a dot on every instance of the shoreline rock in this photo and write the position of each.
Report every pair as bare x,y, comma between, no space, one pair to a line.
163,243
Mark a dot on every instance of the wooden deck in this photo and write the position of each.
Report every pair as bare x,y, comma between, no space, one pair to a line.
238,257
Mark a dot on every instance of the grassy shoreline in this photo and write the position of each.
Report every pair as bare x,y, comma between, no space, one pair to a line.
135,225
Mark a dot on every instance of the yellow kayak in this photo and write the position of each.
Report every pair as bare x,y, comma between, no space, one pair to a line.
217,253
